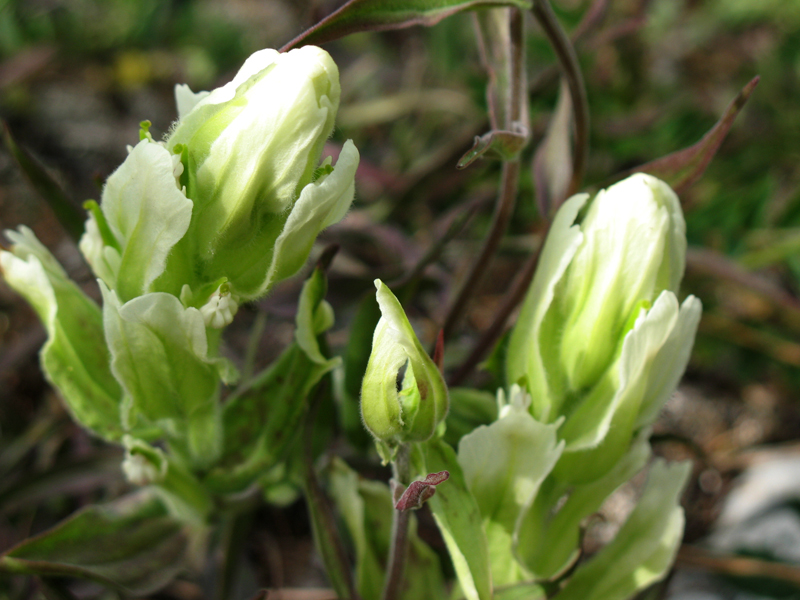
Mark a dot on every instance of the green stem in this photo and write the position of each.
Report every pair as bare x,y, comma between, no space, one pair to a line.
514,113
398,548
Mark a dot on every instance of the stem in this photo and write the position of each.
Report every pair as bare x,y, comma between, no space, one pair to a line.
502,215
515,113
398,549
568,59
495,330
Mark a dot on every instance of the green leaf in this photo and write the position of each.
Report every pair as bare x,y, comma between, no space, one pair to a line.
367,508
75,357
524,356
323,524
645,546
459,519
682,168
356,357
69,215
261,420
505,462
160,354
520,591
130,543
380,15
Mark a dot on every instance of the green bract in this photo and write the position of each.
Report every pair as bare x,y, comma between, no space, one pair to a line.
602,339
413,413
74,358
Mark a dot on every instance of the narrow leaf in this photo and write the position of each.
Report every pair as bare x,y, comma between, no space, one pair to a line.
682,168
552,163
366,509
69,215
380,15
261,420
130,544
644,547
459,519
356,357
503,145
323,523
418,492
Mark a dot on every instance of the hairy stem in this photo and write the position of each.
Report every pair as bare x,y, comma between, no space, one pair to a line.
512,115
398,548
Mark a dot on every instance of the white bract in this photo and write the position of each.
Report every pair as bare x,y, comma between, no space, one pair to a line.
602,339
252,152
186,230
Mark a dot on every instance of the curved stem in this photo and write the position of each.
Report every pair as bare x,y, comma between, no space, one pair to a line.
495,330
398,549
568,60
502,215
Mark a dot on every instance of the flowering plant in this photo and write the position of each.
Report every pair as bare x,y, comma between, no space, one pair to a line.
228,206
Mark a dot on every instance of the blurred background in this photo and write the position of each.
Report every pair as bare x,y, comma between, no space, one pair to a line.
77,77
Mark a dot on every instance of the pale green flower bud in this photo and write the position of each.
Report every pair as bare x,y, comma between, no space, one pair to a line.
413,413
601,338
252,154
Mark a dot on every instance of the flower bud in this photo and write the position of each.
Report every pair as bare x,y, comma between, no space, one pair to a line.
252,155
601,338
412,413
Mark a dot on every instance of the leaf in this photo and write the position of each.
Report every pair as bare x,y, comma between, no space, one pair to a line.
74,358
146,213
552,163
356,357
323,523
547,540
682,168
645,546
160,354
504,464
366,508
418,492
503,145
130,543
500,35
69,215
521,591
459,519
380,15
261,420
